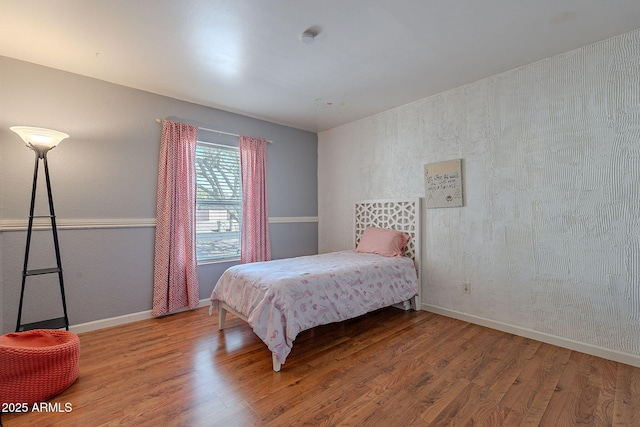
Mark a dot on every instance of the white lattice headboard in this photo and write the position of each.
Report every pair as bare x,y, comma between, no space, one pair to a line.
398,214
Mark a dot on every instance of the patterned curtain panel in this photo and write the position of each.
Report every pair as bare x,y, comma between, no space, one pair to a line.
175,274
255,244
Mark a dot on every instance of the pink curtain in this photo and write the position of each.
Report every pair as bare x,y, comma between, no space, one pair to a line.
175,273
255,228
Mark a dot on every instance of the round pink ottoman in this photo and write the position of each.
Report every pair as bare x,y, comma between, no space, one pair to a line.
36,365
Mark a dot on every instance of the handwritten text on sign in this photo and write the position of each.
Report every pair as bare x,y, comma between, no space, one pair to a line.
443,184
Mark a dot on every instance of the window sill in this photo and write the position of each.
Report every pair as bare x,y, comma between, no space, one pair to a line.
217,261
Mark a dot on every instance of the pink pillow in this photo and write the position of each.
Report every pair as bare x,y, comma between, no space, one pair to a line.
383,241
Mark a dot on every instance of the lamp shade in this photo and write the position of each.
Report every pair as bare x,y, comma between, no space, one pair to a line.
39,139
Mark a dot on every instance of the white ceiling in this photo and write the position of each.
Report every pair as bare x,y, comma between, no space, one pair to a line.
245,56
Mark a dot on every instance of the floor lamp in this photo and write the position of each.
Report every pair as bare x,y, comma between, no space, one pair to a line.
41,141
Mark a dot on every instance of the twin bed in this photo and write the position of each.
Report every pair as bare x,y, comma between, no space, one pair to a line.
281,298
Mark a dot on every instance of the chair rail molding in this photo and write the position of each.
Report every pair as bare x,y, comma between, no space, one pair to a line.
100,223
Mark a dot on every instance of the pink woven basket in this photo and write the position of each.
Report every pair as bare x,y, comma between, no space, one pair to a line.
37,365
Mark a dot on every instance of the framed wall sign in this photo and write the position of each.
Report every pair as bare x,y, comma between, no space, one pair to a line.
443,184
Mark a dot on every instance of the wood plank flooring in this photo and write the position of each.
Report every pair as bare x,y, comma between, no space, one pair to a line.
387,368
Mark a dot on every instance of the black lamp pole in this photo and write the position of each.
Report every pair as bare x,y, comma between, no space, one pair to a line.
41,154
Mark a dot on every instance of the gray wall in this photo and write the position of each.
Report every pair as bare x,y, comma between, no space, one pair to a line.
104,187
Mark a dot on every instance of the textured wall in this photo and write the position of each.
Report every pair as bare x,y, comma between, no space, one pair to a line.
549,235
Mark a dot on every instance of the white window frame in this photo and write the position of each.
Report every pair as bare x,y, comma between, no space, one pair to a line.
221,226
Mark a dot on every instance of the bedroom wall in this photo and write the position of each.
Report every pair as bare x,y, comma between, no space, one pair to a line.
548,236
104,188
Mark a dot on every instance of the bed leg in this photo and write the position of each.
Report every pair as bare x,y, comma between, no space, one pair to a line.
276,362
222,315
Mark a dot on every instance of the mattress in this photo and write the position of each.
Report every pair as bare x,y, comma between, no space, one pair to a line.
281,298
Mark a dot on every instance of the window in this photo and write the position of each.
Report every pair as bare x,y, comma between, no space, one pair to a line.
218,202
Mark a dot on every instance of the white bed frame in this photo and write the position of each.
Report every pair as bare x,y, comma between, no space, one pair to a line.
398,214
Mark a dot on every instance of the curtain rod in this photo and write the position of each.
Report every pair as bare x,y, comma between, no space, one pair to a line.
216,131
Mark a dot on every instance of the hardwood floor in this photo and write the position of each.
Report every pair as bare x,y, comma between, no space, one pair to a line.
388,368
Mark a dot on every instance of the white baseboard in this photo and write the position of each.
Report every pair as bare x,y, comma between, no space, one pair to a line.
617,356
120,320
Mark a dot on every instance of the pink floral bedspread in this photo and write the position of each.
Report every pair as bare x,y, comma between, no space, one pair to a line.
281,298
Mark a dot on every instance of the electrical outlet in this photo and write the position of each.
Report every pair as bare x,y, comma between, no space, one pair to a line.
466,287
